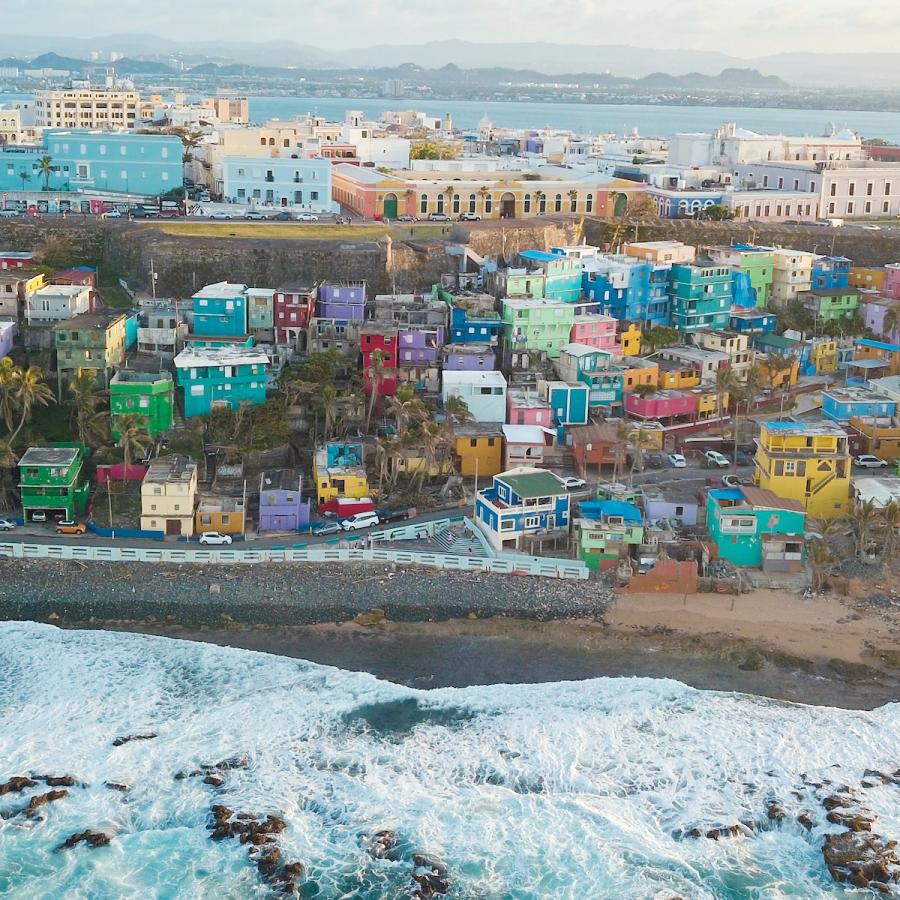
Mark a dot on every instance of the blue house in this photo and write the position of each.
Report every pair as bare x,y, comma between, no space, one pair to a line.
831,273
474,326
569,402
753,321
221,310
627,288
843,404
521,502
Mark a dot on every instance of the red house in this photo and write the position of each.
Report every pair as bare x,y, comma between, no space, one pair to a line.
662,405
16,259
293,306
81,275
373,338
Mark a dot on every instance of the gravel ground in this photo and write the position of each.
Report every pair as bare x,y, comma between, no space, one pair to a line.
281,594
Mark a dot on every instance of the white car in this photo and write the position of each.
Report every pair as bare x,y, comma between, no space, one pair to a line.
714,458
677,460
360,520
39,516
113,214
307,217
572,482
867,461
220,214
215,537
7,525
255,215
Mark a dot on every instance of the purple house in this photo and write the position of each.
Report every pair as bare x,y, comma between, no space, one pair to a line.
873,310
419,345
281,506
469,357
8,330
342,300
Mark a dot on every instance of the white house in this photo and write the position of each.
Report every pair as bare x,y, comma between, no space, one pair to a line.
483,392
303,184
57,302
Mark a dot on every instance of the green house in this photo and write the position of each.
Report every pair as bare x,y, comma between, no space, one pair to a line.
52,481
755,527
537,325
607,530
93,341
827,304
148,394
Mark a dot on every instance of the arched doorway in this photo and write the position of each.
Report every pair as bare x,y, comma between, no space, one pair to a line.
390,206
508,206
621,203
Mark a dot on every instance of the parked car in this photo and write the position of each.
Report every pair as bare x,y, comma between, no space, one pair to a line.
221,214
327,528
255,215
7,525
215,537
469,217
743,459
9,213
141,213
406,217
731,481
67,526
714,458
572,482
394,515
113,214
203,197
868,461
438,217
307,217
360,520
39,516
655,460
282,216
677,460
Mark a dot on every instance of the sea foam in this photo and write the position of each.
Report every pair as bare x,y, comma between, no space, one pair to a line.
566,790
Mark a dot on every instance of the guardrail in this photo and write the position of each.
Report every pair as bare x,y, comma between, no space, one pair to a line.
538,566
411,532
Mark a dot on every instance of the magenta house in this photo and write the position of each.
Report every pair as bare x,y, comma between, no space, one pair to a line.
342,300
527,408
281,504
469,357
662,405
595,330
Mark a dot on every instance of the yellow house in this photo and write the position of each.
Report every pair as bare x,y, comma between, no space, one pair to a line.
788,374
339,471
676,376
638,372
410,461
867,277
707,407
223,514
479,450
630,340
808,462
824,356
169,495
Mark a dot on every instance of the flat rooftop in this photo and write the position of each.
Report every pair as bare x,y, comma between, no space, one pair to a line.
221,290
822,427
171,469
48,456
195,357
101,319
280,480
132,376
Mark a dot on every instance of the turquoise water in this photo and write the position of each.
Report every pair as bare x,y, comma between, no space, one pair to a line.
569,791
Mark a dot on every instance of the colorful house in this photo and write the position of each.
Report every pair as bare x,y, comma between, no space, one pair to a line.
700,294
342,300
90,342
662,251
666,406
473,320
830,273
537,325
630,339
562,274
607,530
579,363
169,495
526,407
220,513
668,504
752,321
792,274
823,355
638,372
595,447
807,462
478,449
8,331
524,445
339,472
521,502
735,346
755,527
52,481
220,376
828,304
261,315
756,264
469,357
880,437
221,310
56,302
294,308
150,395
384,341
840,404
15,288
867,278
876,359
484,393
568,402
595,330
281,503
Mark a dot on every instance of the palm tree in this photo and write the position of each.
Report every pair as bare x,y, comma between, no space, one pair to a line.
8,460
449,191
891,324
134,438
46,167
92,422
10,375
573,200
386,450
25,176
457,412
820,556
659,336
329,405
864,519
484,192
431,437
641,439
376,378
623,429
890,520
32,392
725,384
405,407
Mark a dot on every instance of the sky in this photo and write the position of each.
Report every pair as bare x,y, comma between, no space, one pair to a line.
745,28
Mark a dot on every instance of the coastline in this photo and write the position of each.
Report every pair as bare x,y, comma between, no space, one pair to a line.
456,629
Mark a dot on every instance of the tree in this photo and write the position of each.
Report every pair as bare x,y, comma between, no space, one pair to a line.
890,520
134,438
715,213
660,336
540,198
779,367
431,439
31,392
573,199
457,411
891,324
25,177
386,449
55,251
864,520
91,421
46,167
8,479
641,439
405,407
376,375
432,150
484,193
725,384
10,374
820,556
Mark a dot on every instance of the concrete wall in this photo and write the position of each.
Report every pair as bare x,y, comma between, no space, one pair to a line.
668,576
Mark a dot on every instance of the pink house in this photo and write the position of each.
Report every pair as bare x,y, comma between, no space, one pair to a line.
661,405
595,330
891,286
526,408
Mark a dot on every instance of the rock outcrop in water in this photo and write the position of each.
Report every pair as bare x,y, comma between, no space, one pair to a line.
863,860
211,772
91,838
17,784
128,738
39,800
431,876
57,780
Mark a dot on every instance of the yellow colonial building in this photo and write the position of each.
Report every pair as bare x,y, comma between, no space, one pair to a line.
808,462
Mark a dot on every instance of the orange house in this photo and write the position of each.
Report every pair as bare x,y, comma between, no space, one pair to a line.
638,372
479,450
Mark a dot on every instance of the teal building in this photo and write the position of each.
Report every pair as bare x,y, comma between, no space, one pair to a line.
700,295
220,376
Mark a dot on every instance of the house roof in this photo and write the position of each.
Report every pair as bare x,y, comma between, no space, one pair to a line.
760,498
102,319
599,509
195,357
49,456
524,434
221,290
878,345
594,433
531,483
170,468
279,480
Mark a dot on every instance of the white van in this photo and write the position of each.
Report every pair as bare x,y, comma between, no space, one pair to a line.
360,520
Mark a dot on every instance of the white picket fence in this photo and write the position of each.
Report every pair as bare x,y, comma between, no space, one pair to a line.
508,564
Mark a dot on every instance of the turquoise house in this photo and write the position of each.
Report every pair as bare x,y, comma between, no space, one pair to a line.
568,402
755,527
220,310
221,376
580,363
700,294
562,274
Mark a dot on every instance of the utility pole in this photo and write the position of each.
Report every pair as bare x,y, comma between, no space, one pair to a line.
152,279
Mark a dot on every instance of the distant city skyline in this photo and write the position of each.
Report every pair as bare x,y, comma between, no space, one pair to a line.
745,28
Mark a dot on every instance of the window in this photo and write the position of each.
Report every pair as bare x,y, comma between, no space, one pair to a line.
532,521
456,204
573,203
850,208
887,189
868,206
488,204
796,184
851,188
423,204
589,203
472,203
869,188
885,206
557,203
526,203
780,183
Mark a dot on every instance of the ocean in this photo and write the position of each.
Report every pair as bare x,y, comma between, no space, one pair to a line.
563,790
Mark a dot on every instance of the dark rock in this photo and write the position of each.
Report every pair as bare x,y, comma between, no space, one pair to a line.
859,858
221,832
854,821
427,861
833,802
17,784
776,813
116,786
246,817
233,762
268,861
214,780
57,780
42,800
180,776
221,813
383,843
880,776
255,838
431,884
92,838
806,820
119,741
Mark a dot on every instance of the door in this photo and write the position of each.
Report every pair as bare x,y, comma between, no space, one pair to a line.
173,526
390,206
